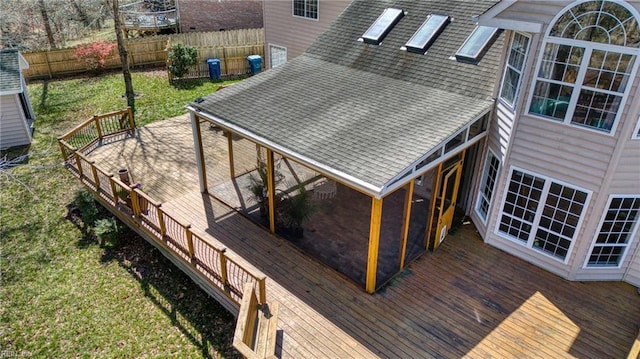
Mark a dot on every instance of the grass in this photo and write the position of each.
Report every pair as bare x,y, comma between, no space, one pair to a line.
62,294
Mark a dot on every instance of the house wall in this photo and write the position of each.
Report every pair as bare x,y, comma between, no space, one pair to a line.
600,163
295,33
14,130
209,15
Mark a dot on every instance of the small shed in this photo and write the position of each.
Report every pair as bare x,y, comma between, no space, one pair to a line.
16,112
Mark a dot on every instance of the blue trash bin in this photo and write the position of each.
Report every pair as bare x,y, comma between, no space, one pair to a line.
255,63
214,68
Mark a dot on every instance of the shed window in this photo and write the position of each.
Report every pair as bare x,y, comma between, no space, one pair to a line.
616,230
427,33
383,24
474,46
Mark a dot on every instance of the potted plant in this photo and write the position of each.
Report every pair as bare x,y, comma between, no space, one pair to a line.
259,188
296,210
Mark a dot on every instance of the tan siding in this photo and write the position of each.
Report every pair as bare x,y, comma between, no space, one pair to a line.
633,273
13,131
296,33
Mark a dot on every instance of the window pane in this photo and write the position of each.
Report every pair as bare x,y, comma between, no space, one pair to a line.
383,24
615,232
489,176
476,42
551,100
426,34
520,205
596,110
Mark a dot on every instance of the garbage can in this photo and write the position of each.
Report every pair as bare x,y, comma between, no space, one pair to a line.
214,68
255,63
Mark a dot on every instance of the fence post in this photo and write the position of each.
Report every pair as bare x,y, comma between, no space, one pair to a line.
78,163
135,204
223,267
63,149
96,180
132,123
163,228
98,127
114,192
190,242
263,290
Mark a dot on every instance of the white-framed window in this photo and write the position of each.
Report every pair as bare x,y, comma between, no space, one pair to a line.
277,55
587,64
617,227
516,60
541,213
487,185
306,8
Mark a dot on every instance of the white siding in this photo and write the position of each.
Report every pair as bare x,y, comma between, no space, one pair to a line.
281,28
13,126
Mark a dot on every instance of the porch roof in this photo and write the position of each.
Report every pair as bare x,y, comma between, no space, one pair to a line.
360,113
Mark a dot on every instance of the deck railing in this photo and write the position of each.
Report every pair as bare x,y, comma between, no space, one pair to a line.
212,262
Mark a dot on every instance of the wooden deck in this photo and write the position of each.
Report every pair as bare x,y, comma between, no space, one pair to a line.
465,300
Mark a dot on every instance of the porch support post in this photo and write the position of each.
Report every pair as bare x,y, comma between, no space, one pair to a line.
232,170
197,143
272,192
374,244
434,199
406,219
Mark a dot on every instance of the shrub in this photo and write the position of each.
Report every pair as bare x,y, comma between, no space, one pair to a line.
86,205
94,55
181,58
108,231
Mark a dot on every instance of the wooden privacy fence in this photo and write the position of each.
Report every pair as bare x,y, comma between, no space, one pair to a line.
211,262
152,51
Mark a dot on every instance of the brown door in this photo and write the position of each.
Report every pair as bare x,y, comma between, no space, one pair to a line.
446,201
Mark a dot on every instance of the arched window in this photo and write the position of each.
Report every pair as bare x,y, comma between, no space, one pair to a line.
587,66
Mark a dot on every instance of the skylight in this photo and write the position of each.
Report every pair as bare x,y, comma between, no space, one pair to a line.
476,43
427,33
383,24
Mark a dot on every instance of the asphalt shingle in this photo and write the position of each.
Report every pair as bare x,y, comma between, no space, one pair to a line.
9,71
367,111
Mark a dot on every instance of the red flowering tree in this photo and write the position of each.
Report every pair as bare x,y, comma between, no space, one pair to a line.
94,55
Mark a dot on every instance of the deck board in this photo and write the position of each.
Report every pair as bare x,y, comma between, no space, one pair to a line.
467,299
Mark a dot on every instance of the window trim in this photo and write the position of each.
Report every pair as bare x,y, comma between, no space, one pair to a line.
293,11
632,235
588,46
271,55
519,86
483,179
636,131
536,220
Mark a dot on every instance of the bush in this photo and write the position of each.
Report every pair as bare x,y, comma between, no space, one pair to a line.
181,58
86,205
108,231
94,55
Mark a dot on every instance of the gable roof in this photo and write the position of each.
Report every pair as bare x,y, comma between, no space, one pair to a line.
364,114
11,64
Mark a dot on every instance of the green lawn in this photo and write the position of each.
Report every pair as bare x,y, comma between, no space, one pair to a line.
62,294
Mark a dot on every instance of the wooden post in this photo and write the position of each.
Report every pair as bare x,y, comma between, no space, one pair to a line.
132,122
374,243
135,203
271,191
406,222
197,143
434,200
189,241
223,268
96,180
232,170
63,149
114,192
96,119
263,290
163,228
78,164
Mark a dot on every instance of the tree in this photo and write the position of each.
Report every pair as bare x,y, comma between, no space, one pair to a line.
124,57
47,25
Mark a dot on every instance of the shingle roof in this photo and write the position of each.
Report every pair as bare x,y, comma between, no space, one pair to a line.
366,112
10,71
